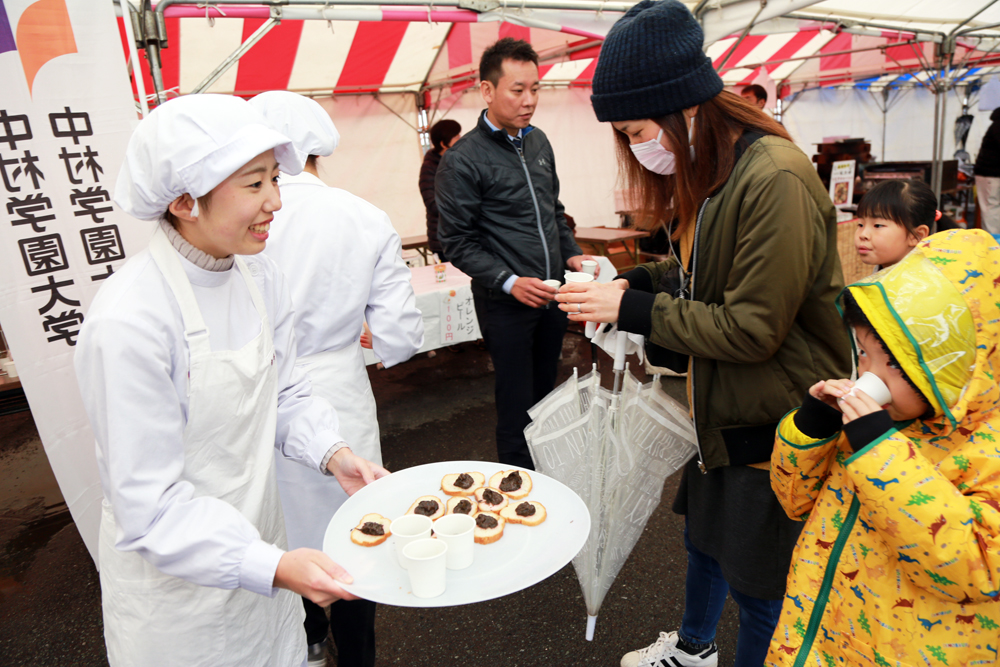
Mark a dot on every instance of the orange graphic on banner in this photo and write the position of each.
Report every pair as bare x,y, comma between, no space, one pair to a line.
43,33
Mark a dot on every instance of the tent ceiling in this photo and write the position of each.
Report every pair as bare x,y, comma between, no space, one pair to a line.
394,48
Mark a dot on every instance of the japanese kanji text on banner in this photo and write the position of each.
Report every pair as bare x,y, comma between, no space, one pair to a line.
66,113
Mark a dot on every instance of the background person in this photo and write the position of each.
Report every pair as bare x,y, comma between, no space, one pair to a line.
748,295
987,171
502,224
893,217
444,134
343,262
186,369
755,95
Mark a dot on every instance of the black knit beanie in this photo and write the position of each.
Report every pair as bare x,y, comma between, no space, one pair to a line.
652,64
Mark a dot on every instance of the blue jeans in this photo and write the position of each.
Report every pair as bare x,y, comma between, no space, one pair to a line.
706,591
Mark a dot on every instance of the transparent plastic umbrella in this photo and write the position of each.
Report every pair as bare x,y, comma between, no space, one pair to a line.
614,449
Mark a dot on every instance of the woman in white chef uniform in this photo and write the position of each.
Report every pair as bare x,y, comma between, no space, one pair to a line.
342,259
186,366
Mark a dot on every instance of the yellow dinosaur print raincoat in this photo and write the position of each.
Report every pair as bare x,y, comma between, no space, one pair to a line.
899,559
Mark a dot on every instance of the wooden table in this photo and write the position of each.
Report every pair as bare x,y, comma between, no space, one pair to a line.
602,237
420,244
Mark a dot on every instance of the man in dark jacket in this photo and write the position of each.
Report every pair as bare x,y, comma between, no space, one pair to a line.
988,177
501,222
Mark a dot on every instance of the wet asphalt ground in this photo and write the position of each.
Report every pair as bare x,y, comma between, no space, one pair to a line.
430,409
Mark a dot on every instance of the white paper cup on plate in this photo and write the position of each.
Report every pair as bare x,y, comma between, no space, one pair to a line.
578,277
426,560
458,531
872,385
589,266
409,528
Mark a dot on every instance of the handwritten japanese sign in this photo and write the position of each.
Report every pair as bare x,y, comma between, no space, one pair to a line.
66,113
458,317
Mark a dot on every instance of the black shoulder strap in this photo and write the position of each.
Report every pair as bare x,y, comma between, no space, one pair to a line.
745,141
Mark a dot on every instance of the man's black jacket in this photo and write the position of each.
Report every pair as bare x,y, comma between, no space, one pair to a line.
489,223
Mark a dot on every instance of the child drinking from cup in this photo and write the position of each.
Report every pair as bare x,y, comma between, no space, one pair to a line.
899,558
893,217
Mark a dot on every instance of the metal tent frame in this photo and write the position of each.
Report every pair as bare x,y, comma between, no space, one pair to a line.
720,18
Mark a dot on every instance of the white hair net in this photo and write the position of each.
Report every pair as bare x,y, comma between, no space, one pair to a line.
190,145
301,119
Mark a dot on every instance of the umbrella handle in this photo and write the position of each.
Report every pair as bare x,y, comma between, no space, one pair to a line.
621,342
591,624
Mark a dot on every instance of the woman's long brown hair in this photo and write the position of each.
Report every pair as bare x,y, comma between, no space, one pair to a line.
719,121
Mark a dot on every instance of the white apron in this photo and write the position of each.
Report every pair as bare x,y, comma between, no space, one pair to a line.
310,500
151,618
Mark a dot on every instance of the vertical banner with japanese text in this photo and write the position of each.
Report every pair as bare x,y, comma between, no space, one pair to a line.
66,113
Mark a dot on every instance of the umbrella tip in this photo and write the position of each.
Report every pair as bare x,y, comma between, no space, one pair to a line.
591,624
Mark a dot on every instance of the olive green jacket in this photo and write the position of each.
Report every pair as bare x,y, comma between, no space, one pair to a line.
761,324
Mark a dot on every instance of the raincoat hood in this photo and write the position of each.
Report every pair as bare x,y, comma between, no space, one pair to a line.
937,311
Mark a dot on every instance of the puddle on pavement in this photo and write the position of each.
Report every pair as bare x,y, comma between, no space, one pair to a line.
32,509
19,549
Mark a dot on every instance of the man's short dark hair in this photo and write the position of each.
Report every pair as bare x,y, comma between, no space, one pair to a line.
508,48
758,91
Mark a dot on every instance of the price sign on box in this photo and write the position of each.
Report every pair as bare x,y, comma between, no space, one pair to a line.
458,316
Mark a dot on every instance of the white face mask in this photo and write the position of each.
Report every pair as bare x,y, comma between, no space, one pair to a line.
653,156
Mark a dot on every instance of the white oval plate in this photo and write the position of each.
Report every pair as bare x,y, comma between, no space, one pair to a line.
524,555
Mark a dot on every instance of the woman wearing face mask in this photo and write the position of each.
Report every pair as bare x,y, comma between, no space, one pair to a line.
748,296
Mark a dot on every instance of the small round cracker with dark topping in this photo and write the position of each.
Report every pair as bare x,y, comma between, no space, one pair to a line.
371,531
526,512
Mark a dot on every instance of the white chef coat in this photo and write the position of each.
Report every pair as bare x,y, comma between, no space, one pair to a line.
343,263
132,365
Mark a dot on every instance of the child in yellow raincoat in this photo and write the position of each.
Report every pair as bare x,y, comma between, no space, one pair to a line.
899,560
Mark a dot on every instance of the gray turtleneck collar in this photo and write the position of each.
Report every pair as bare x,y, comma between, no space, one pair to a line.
199,258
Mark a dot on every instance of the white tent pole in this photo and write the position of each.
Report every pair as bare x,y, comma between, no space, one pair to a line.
152,22
238,53
852,23
437,54
968,20
479,6
812,56
937,121
736,44
885,118
140,83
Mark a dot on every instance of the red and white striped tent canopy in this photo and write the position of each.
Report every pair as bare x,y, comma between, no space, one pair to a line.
376,66
798,43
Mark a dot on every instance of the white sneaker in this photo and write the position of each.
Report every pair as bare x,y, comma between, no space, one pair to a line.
664,653
316,654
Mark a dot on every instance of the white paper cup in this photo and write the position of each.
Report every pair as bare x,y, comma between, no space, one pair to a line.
589,266
554,284
426,560
578,277
458,531
872,385
409,528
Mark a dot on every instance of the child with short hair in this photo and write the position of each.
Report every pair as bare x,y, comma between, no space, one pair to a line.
893,217
899,558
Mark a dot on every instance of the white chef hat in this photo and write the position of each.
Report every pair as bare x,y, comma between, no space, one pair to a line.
299,118
190,145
